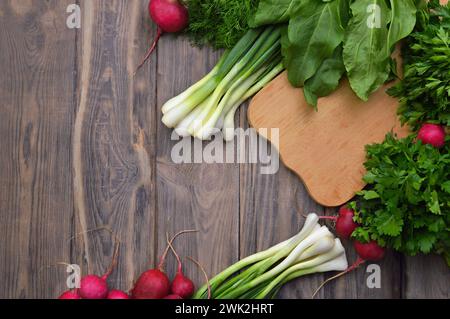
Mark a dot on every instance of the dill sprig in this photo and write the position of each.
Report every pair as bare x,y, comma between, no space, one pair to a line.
219,23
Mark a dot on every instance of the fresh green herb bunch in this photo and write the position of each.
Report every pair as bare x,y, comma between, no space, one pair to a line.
219,23
424,92
407,203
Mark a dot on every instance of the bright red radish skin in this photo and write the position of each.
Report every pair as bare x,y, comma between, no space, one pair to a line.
345,225
93,287
152,284
370,251
173,297
170,16
181,285
117,294
71,294
432,134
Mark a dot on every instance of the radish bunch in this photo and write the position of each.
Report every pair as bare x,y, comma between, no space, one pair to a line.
155,284
345,226
152,284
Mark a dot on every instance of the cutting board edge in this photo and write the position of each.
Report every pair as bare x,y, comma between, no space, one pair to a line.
323,202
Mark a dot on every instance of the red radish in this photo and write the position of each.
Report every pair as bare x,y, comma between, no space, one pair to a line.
345,225
370,251
170,16
173,297
93,287
70,294
154,283
432,134
96,287
367,252
117,294
181,285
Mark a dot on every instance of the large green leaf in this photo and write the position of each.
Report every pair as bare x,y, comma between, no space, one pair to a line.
274,11
364,46
313,34
326,80
403,20
370,39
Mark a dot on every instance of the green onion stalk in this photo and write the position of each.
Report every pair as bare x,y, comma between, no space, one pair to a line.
313,250
211,104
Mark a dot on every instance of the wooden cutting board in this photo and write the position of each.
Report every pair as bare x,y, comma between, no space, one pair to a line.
325,148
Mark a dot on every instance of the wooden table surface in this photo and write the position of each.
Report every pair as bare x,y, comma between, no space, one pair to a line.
82,146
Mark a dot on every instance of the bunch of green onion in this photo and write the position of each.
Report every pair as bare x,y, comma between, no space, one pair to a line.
314,250
210,105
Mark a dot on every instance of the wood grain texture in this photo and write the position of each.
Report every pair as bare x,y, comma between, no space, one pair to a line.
113,142
426,277
36,108
204,197
83,147
325,148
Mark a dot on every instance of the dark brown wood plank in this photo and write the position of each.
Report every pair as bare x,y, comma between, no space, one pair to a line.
426,277
36,114
193,196
114,137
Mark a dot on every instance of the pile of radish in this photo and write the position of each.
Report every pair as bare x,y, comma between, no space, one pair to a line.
151,284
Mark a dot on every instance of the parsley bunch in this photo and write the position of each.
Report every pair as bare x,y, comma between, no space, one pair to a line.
424,92
219,23
406,205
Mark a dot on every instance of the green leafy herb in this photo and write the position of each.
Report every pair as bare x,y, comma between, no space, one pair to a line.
275,11
368,29
326,79
371,36
313,35
219,23
424,92
407,203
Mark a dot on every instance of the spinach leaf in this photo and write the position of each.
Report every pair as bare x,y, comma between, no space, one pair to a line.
274,11
364,47
403,20
326,80
313,34
371,36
